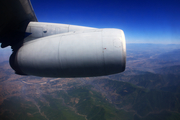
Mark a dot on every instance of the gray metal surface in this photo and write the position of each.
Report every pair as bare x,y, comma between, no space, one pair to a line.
41,29
86,53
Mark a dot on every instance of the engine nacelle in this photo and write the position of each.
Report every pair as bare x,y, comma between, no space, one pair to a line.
95,52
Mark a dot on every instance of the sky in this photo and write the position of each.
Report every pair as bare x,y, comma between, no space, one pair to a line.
143,21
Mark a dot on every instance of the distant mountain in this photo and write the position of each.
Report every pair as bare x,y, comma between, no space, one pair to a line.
150,57
175,70
174,54
151,47
170,58
144,103
149,80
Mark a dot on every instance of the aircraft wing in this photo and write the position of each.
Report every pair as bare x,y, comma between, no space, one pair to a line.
15,16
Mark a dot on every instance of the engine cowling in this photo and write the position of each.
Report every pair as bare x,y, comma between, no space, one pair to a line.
95,52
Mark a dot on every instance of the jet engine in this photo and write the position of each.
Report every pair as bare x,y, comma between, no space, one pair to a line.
88,53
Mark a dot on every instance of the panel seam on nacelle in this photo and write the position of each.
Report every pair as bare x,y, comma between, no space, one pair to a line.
68,27
102,39
59,60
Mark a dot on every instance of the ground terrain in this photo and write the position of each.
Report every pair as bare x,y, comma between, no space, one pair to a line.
148,89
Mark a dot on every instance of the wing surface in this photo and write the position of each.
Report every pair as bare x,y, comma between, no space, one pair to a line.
15,16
